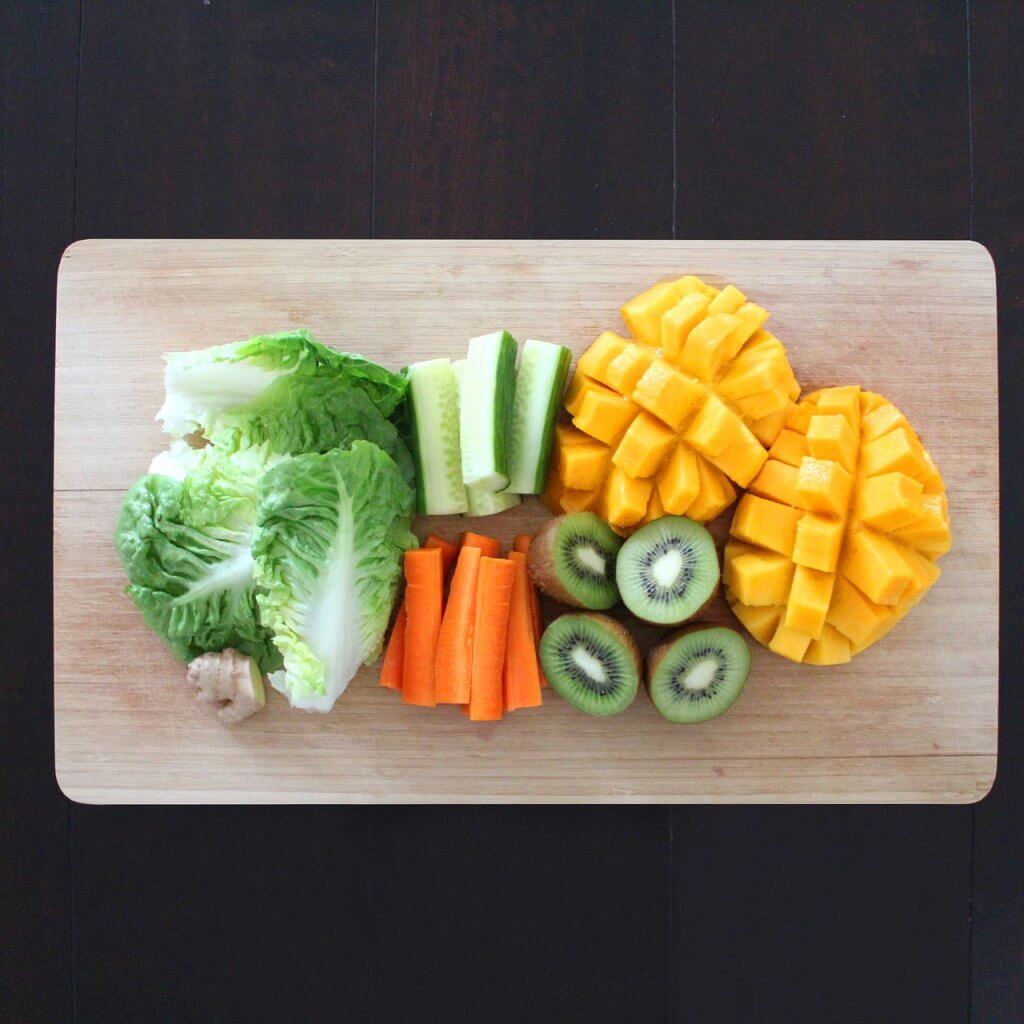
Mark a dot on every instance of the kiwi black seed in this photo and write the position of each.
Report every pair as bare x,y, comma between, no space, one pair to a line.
697,673
592,662
572,558
668,570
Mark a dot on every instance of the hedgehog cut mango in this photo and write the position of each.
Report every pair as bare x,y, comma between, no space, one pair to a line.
837,536
683,411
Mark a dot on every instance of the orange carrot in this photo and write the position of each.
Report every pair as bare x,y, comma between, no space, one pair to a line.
424,598
522,544
449,552
490,628
488,545
520,678
394,656
453,660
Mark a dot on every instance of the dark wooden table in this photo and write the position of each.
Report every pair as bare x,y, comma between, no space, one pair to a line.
717,119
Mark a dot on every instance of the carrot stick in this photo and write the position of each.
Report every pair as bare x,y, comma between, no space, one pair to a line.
488,545
394,656
424,597
449,552
522,543
520,677
453,660
490,628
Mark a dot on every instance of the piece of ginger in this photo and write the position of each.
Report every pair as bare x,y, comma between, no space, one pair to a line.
228,676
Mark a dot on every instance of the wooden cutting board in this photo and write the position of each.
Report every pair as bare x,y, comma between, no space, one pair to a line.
911,719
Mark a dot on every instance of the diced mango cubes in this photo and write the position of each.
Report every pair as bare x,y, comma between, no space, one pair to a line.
644,446
624,501
666,393
823,486
776,481
679,481
766,524
583,466
690,403
604,415
839,532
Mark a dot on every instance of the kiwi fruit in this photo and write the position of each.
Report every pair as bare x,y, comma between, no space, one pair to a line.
668,570
697,673
572,558
592,662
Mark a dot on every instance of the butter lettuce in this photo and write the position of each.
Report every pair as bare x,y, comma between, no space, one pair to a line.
331,530
203,387
297,414
184,535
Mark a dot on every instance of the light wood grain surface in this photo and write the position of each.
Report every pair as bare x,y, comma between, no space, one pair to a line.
914,718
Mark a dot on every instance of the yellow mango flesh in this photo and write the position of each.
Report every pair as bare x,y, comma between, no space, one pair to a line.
854,508
583,466
691,403
644,446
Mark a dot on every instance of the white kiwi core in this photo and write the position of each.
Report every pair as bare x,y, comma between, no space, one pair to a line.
590,558
586,662
666,568
700,674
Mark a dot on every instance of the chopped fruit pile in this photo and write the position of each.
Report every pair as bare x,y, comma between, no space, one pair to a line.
468,629
668,422
837,536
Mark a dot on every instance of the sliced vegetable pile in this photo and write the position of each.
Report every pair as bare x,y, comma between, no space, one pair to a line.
273,535
278,533
467,630
666,574
481,429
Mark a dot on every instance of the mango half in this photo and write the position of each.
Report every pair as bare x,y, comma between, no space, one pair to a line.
838,534
676,417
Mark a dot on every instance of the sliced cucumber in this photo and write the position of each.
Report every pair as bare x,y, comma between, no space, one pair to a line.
483,503
540,381
434,420
486,413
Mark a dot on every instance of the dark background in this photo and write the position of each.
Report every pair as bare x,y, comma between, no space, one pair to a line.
378,118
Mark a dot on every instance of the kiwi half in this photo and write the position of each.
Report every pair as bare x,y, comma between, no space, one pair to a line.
572,558
592,662
668,570
697,673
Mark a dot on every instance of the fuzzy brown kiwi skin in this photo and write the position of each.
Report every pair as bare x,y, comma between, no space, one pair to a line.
657,654
619,631
689,618
541,564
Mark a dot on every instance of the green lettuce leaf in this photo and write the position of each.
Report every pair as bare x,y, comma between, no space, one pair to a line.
184,534
330,533
297,414
203,386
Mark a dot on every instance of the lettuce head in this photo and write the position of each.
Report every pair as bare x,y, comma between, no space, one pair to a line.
208,390
184,534
331,529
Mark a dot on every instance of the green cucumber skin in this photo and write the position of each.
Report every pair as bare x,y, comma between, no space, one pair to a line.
504,395
531,455
417,455
554,404
486,410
